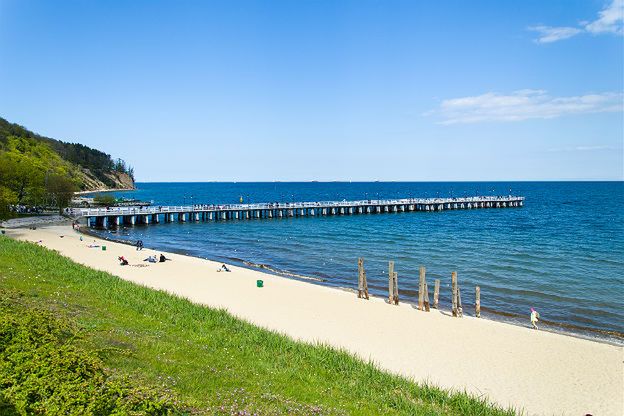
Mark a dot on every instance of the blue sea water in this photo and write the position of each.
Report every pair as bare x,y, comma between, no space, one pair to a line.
562,253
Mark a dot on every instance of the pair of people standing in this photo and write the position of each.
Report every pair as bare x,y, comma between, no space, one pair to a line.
139,245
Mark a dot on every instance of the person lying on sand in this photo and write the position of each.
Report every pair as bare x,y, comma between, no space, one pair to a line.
151,259
93,246
122,260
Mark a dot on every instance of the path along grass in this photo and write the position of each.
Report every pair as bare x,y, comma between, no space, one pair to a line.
211,362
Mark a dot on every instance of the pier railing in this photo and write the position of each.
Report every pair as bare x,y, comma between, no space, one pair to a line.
97,212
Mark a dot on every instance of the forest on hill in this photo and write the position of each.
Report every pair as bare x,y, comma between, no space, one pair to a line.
41,171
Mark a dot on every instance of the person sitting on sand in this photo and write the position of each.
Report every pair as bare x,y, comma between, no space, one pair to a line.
163,258
224,268
122,260
534,318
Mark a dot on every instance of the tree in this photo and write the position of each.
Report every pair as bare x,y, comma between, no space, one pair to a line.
61,189
105,200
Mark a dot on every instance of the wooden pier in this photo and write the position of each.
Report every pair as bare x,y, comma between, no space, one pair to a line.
118,216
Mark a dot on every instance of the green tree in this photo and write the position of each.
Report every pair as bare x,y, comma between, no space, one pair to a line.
61,189
105,200
7,196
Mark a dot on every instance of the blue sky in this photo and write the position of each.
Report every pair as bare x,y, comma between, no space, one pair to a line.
324,90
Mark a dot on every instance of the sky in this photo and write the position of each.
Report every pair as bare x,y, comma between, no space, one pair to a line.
324,90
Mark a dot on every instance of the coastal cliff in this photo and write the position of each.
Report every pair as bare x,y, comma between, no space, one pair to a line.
29,159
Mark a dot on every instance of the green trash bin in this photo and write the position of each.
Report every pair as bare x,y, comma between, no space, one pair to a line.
259,283
103,248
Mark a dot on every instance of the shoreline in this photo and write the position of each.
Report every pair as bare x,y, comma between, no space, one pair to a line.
610,337
97,191
542,372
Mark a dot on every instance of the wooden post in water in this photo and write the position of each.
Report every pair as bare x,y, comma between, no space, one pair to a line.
427,309
421,288
395,294
460,310
390,281
362,284
478,302
436,293
454,293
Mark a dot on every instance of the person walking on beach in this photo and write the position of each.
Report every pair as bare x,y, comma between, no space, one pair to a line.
139,245
534,318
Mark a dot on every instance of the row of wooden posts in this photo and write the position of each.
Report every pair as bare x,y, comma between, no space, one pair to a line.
423,290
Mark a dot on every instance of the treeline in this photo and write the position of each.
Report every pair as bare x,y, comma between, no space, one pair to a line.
98,162
37,171
34,175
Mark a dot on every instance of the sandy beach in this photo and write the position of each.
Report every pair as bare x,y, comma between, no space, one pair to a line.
540,372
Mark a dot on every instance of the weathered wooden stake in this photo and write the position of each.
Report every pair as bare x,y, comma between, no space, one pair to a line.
454,293
362,284
421,288
395,295
460,310
478,302
390,280
427,309
436,293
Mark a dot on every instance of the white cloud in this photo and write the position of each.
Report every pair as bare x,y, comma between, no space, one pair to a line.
549,34
524,105
610,20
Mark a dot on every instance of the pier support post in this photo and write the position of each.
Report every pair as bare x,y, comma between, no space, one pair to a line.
478,302
362,284
436,293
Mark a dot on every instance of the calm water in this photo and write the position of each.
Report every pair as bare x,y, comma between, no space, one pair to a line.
563,253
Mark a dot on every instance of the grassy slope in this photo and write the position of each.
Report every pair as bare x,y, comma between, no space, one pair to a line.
210,360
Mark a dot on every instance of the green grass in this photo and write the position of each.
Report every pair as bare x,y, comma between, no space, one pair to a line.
208,360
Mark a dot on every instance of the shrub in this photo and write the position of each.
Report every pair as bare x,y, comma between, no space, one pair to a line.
44,371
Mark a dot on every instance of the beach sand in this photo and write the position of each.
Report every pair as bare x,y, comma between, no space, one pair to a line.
539,372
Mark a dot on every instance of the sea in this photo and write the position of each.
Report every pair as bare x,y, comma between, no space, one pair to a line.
562,253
